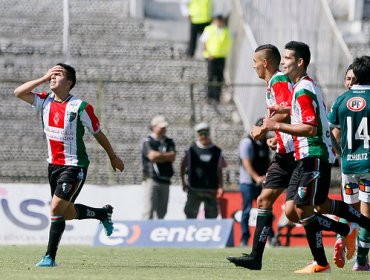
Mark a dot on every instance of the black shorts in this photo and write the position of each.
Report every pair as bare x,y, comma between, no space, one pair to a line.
310,181
66,181
279,172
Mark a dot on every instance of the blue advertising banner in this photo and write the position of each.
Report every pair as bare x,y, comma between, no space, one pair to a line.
209,233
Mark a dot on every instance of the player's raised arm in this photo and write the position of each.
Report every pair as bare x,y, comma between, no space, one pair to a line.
24,91
115,161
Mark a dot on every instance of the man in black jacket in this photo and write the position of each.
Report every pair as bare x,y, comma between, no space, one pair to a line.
203,163
158,154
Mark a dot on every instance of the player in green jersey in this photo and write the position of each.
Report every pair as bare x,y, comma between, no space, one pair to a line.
351,114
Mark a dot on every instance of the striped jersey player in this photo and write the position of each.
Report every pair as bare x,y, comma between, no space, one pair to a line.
64,124
64,119
279,92
308,108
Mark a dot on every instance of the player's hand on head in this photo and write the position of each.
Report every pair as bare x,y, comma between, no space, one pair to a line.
57,69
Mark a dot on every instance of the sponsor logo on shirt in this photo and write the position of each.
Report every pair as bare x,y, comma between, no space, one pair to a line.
356,104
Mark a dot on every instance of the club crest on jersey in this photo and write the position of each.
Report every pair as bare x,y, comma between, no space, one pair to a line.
71,116
66,187
302,191
356,104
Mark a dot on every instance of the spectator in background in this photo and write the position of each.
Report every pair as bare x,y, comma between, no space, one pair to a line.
254,156
203,163
216,42
200,16
158,155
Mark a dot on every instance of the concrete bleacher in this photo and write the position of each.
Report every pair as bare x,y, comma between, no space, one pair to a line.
124,73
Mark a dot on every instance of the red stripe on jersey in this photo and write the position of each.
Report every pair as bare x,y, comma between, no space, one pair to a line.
281,146
308,112
94,120
283,94
57,152
57,113
297,155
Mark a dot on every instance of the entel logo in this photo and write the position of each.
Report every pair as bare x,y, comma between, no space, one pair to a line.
186,234
356,104
121,234
129,235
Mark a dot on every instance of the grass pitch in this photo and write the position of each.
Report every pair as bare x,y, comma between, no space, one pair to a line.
83,262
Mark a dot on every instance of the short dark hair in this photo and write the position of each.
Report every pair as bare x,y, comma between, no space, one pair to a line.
301,50
272,53
71,73
361,69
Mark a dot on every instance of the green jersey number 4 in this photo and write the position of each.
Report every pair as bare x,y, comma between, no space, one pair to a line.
362,132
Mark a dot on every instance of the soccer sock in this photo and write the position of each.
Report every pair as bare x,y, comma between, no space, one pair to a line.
363,246
87,212
57,227
263,228
343,210
328,224
314,238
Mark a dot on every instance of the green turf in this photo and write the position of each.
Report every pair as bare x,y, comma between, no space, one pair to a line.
83,262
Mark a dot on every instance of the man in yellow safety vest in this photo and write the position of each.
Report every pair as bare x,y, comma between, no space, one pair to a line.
216,40
200,15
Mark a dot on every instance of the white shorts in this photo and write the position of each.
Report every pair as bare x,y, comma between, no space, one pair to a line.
355,188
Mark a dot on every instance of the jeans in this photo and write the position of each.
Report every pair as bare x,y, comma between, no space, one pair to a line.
249,192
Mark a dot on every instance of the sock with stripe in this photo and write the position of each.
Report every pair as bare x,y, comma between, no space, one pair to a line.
86,212
57,227
262,232
314,238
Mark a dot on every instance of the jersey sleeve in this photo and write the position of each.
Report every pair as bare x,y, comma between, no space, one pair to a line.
39,100
283,93
307,107
89,119
333,116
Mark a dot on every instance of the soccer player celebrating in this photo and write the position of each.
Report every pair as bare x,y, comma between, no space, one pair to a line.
309,184
278,92
351,114
64,118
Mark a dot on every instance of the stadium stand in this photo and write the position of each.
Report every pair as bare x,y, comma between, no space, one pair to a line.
127,76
